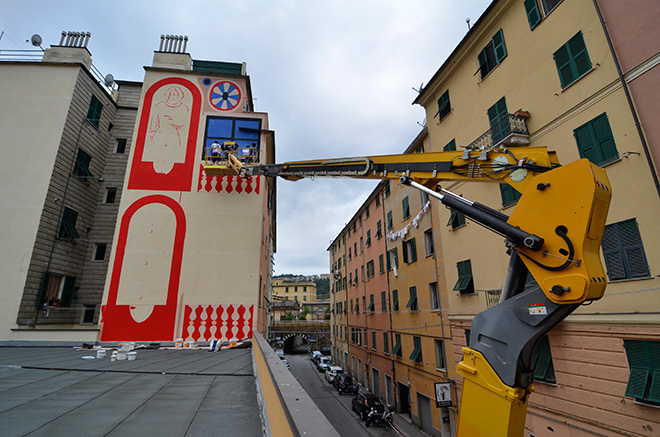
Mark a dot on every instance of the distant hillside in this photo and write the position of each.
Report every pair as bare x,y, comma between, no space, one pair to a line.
322,288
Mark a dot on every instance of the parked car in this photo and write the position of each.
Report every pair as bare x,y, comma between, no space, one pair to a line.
363,402
323,363
280,353
326,351
332,372
286,363
314,356
342,379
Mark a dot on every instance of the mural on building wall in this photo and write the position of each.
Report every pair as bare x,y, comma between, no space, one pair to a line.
145,301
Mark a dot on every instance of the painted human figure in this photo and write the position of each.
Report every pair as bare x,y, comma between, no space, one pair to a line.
169,119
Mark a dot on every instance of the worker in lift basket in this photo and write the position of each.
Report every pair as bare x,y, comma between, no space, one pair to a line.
215,152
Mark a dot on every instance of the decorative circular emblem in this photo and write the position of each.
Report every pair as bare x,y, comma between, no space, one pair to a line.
206,81
225,95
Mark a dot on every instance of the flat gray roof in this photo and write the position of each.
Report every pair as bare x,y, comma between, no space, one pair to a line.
52,391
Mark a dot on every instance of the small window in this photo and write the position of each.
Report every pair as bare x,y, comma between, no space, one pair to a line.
121,145
386,343
56,290
644,379
409,250
377,200
465,283
381,264
81,168
373,340
623,250
94,111
596,142
68,225
444,107
435,296
366,212
451,146
370,269
88,314
440,362
457,219
509,195
392,259
572,60
429,247
416,354
491,55
383,301
110,195
395,300
379,229
396,350
368,243
412,302
405,207
99,252
390,224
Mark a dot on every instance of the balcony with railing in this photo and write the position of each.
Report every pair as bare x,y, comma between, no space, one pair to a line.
509,130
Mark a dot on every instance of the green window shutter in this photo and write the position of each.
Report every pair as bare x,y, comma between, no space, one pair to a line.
450,146
412,302
499,46
413,250
604,138
390,225
587,144
509,194
43,289
542,360
578,49
640,369
383,301
396,350
483,63
464,276
82,164
386,343
563,63
533,13
379,229
633,249
395,300
388,262
67,291
94,111
381,265
406,207
404,251
452,217
444,106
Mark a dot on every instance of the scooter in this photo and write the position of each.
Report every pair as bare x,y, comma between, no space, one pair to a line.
349,388
375,418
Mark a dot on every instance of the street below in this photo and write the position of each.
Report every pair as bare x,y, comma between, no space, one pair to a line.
336,408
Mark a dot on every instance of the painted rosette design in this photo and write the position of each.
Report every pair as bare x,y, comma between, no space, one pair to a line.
225,95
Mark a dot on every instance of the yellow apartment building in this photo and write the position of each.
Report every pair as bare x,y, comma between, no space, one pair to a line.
549,63
421,334
296,289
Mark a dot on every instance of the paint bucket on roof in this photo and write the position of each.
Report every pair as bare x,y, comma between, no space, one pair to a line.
113,357
100,353
122,355
232,342
178,342
132,356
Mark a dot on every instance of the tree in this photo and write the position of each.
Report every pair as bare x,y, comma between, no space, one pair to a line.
322,288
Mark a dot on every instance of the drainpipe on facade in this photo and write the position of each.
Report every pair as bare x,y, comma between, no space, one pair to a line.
633,111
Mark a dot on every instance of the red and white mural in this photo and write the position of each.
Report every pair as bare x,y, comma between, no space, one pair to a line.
154,291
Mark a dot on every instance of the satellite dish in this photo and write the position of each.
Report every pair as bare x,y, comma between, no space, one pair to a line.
109,80
36,40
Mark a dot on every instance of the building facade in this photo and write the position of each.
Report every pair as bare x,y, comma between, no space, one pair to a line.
550,63
297,289
339,300
122,236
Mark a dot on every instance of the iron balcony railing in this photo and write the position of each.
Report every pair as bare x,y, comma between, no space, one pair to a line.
508,130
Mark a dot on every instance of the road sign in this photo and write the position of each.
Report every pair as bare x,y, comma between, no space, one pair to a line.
442,394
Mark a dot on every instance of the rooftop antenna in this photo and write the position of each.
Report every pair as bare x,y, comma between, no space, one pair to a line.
36,41
467,20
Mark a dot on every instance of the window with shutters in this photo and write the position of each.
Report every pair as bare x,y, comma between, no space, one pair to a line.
416,354
386,343
644,362
390,223
509,195
412,302
435,296
397,349
68,229
370,269
395,300
383,301
572,60
381,264
392,259
56,290
409,250
373,340
444,107
498,118
368,243
440,360
465,282
624,252
405,206
81,168
429,247
491,55
456,220
535,14
379,229
596,142
371,306
94,111
542,365
451,146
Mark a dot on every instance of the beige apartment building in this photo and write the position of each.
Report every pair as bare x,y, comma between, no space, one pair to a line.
550,63
296,289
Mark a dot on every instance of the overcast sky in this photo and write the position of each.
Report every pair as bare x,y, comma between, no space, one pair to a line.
335,77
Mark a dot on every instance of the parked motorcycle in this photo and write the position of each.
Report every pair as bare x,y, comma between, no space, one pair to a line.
376,418
349,388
